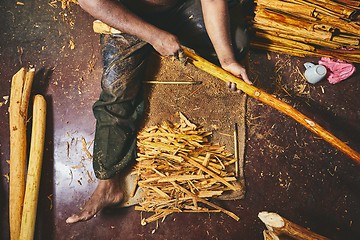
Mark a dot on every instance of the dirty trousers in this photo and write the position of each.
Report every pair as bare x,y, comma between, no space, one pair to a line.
120,107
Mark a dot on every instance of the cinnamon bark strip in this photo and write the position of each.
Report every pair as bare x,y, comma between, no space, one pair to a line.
18,110
34,169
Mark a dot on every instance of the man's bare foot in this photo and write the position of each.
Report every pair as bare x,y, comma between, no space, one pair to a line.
107,193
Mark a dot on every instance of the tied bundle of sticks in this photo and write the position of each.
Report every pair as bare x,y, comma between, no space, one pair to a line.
308,28
23,201
179,170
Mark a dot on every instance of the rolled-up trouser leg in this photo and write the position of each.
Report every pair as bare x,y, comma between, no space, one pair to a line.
120,105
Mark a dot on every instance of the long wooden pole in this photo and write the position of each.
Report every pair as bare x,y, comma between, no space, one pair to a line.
19,100
272,101
34,169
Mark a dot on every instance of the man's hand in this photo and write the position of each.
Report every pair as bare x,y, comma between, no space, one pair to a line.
166,44
237,70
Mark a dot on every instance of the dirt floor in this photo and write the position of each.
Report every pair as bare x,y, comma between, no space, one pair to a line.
288,169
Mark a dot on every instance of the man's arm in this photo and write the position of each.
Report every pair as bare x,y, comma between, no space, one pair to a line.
118,16
217,23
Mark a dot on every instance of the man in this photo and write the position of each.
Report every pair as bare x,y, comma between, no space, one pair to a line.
163,25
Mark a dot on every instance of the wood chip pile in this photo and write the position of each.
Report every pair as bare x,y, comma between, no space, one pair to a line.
309,28
179,170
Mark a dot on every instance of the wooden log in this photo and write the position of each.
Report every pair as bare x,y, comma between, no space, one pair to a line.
19,99
34,169
281,226
272,101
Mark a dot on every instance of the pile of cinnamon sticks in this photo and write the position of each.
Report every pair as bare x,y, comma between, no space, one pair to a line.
179,170
309,28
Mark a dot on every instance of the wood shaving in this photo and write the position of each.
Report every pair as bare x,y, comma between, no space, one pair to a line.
71,44
7,177
83,141
67,3
51,201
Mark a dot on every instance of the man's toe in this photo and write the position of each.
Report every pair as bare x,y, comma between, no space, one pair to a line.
73,219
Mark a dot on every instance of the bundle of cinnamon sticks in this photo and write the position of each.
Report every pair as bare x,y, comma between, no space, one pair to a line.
308,28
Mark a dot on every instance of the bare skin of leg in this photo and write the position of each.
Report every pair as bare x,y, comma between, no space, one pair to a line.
107,193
